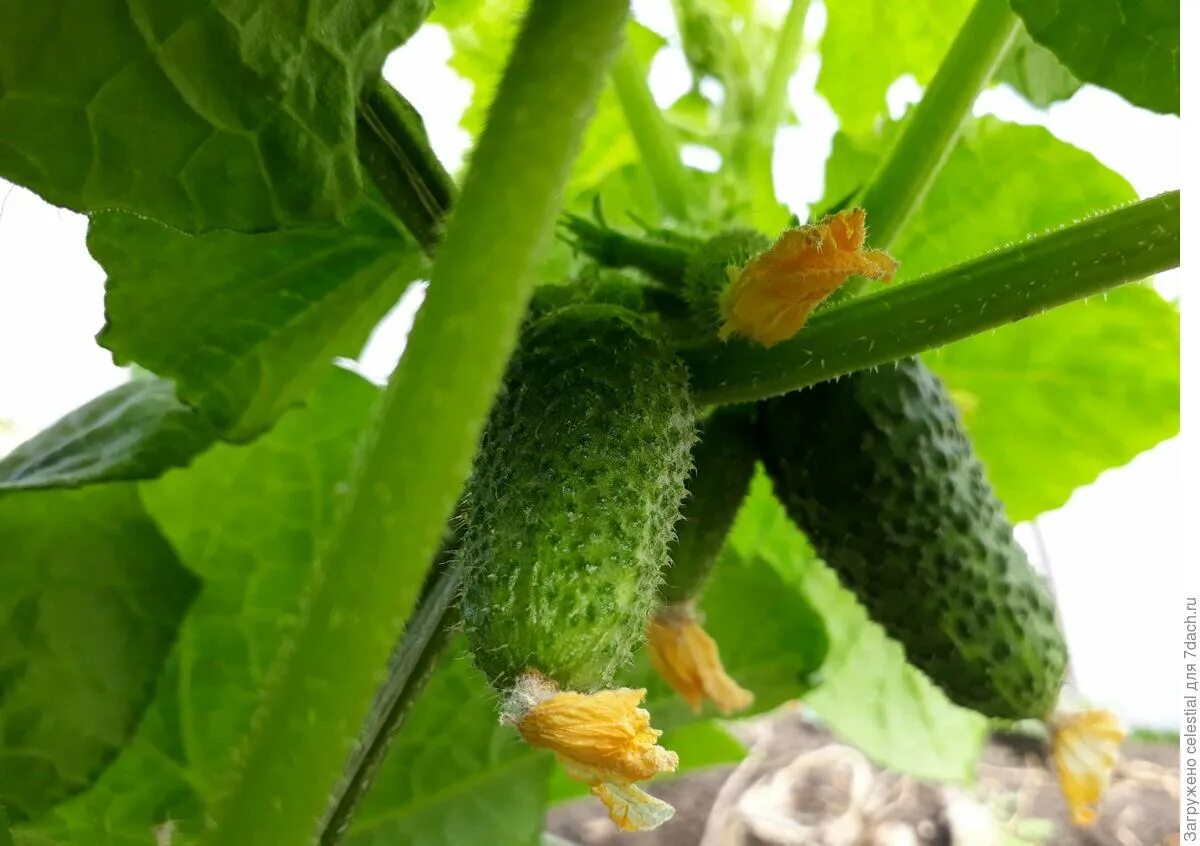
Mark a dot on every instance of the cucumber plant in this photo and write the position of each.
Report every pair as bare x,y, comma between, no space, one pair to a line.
290,607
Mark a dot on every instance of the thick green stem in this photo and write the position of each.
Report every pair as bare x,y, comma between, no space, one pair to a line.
756,143
394,150
928,136
655,140
1005,286
414,462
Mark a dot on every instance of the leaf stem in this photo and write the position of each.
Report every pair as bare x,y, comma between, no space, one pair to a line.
915,159
1087,258
394,150
655,141
414,462
756,143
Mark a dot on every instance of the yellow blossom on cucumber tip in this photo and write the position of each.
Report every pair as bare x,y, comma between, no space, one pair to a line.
1084,746
603,739
770,298
688,660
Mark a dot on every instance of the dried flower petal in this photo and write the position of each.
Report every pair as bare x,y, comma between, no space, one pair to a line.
770,298
602,739
689,661
1085,747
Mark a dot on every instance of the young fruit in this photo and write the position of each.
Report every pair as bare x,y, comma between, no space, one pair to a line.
878,472
569,512
681,651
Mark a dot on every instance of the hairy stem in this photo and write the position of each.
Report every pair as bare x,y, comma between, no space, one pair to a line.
1129,243
915,159
655,140
394,150
413,465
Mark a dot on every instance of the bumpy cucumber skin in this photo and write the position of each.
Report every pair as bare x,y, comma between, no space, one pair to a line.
724,458
574,497
877,470
706,276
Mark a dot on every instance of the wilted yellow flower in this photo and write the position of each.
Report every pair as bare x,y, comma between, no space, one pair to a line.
1084,747
602,739
770,298
688,660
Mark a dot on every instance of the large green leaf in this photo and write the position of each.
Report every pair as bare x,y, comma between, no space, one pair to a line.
869,45
455,775
1036,72
90,598
1129,46
135,431
249,520
204,114
1052,402
868,694
246,323
1043,377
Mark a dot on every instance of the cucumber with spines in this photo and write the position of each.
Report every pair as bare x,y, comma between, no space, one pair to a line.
877,470
574,496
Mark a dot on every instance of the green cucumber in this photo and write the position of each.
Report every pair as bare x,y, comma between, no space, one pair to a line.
573,499
876,469
724,457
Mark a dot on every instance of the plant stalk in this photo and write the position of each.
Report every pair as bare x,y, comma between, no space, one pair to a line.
654,139
912,164
1087,258
756,143
413,464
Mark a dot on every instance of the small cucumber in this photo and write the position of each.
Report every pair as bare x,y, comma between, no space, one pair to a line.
574,497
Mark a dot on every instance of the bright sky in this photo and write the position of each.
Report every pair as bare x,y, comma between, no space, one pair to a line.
1114,551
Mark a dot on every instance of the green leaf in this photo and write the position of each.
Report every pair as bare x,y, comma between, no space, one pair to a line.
246,323
135,431
1088,386
869,695
1002,182
454,774
1036,73
1128,46
207,114
868,46
90,597
249,521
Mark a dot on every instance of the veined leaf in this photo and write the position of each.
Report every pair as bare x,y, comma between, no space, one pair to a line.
1000,183
249,521
135,431
1129,46
90,597
208,114
246,323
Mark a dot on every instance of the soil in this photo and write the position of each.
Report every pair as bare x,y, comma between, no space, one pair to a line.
799,786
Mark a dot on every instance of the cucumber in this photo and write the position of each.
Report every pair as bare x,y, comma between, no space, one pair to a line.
876,469
724,457
573,498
